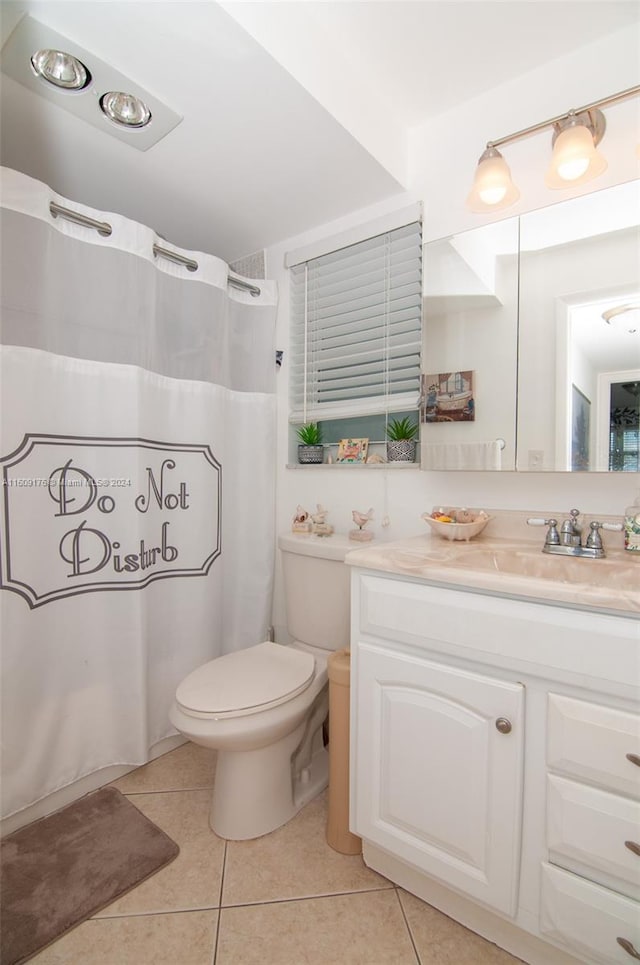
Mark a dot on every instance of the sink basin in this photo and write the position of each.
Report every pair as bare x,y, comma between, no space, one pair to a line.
603,573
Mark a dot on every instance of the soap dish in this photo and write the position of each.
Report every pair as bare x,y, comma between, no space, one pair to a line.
450,528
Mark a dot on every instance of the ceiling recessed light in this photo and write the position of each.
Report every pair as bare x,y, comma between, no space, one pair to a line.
60,69
132,106
125,109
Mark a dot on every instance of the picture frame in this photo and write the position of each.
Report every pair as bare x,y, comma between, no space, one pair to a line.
352,450
580,430
448,397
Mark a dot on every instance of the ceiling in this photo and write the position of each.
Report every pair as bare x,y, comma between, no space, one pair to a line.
257,158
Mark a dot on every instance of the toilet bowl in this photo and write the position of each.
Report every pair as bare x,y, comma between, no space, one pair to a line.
263,708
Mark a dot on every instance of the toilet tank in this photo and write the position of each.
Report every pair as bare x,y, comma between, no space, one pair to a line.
317,589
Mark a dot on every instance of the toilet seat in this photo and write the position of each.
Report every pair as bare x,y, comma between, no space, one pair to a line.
244,682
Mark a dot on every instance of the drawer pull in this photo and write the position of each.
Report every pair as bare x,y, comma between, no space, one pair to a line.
503,725
634,758
628,947
632,846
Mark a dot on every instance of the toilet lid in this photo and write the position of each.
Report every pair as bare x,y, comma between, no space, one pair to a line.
241,683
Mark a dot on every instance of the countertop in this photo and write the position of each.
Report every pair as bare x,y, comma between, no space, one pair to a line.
509,568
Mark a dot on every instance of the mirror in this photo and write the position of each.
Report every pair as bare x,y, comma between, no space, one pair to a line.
579,324
543,309
470,349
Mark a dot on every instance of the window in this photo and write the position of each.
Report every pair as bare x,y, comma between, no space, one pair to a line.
356,323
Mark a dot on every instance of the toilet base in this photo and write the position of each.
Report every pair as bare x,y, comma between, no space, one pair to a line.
256,792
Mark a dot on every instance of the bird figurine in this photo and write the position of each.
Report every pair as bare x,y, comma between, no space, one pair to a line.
320,526
361,519
361,534
321,515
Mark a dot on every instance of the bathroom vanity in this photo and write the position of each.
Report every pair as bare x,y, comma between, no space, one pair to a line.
495,740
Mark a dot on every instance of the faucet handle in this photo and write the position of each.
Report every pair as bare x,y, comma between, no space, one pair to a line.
552,538
594,540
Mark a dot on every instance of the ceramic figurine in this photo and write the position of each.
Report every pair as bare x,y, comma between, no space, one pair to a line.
301,522
361,534
319,525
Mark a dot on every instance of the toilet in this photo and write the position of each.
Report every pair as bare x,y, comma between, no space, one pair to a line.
263,708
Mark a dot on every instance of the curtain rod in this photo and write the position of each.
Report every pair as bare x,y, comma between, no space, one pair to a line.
103,228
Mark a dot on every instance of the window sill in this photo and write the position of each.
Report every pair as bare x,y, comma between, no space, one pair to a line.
354,465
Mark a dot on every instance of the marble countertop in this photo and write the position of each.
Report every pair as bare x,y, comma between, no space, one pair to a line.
511,568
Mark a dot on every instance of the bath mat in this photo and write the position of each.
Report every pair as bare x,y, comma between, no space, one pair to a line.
62,869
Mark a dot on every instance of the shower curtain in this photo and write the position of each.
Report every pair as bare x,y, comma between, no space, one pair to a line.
137,454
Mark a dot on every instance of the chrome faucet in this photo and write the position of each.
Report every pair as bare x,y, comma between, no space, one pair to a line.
568,542
570,532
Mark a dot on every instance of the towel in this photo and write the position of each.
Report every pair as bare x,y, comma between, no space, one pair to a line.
462,455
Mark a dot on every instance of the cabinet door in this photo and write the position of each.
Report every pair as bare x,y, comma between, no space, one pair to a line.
438,784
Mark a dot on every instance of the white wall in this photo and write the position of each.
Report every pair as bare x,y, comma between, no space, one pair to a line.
443,161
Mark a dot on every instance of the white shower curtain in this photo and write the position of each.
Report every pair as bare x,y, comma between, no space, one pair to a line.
137,456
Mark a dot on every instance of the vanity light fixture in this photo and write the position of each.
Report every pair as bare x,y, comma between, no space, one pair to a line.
574,161
492,188
575,158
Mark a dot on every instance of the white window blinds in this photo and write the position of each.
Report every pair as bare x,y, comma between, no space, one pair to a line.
356,319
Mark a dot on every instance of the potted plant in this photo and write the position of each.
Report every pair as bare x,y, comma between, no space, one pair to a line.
401,446
310,448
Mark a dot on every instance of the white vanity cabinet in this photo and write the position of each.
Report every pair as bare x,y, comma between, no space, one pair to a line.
495,763
442,765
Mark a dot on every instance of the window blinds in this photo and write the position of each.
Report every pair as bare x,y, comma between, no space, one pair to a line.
356,327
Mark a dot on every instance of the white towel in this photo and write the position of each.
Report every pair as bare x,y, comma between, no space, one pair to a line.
462,455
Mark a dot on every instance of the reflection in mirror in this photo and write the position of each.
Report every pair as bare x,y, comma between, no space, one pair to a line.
579,341
469,355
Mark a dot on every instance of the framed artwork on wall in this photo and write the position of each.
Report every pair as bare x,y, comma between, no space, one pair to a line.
352,450
448,397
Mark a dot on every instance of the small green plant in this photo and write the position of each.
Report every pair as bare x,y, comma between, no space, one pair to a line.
400,429
310,434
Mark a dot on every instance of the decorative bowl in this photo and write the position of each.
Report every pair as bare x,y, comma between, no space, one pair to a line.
455,530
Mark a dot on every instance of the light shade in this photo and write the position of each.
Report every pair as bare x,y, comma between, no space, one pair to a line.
575,159
60,69
125,109
492,188
623,317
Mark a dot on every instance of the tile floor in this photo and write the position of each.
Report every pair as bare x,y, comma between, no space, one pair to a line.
284,899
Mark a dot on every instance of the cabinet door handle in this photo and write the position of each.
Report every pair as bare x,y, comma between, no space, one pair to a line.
503,725
634,758
632,846
628,947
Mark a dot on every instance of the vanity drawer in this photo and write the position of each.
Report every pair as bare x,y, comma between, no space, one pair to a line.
587,919
587,830
593,743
